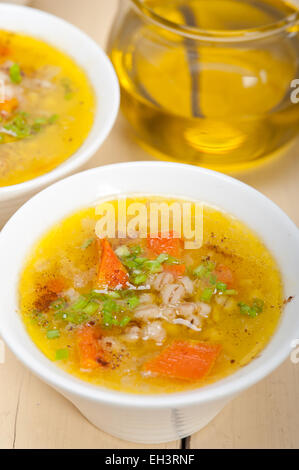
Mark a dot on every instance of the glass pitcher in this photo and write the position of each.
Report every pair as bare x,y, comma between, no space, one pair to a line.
209,82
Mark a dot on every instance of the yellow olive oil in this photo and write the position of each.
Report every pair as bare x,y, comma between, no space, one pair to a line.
222,102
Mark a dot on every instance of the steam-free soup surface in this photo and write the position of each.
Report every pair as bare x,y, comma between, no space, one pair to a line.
47,107
147,315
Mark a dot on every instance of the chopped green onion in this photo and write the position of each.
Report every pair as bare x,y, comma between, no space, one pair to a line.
210,265
52,119
80,304
61,315
201,271
95,295
19,126
136,250
140,279
205,271
140,260
162,258
107,319
61,354
53,334
103,296
153,266
124,322
75,317
130,263
221,286
172,260
113,295
87,243
136,272
231,292
15,73
91,308
122,251
258,305
110,306
57,304
207,294
212,279
133,302
38,123
245,309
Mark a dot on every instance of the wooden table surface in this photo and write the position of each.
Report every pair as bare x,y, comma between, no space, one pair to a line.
34,416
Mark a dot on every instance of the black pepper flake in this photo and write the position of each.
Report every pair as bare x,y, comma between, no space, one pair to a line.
288,300
102,362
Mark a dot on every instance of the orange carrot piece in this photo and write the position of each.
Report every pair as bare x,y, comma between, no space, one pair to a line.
9,105
176,269
185,360
224,274
90,352
167,243
56,285
4,50
112,272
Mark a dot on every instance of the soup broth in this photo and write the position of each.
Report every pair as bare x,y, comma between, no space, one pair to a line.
47,107
147,315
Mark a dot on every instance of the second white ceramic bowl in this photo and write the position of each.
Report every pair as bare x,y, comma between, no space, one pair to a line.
99,69
147,418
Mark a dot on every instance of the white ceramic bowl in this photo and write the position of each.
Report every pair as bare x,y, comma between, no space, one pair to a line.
151,418
99,69
17,2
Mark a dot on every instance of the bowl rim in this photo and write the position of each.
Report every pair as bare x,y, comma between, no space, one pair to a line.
78,158
220,390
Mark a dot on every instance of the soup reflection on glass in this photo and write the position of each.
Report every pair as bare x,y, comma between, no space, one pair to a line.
146,314
47,108
208,82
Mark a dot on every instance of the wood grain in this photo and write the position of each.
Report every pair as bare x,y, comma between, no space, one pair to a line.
264,417
32,415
